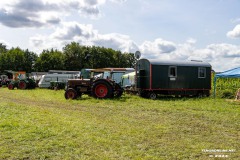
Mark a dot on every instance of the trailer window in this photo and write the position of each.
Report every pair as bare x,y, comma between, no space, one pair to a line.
201,72
172,71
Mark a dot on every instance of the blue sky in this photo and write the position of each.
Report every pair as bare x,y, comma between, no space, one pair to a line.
207,30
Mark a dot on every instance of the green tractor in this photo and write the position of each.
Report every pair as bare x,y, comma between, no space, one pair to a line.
20,80
27,83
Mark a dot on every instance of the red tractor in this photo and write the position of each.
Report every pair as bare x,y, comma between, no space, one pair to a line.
99,88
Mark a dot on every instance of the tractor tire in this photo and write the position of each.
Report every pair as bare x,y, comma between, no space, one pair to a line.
71,94
10,86
22,85
102,89
118,91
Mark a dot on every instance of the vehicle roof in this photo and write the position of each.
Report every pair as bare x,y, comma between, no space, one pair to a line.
56,75
62,72
112,69
177,63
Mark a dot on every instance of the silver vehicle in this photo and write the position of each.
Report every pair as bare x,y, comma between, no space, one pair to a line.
46,79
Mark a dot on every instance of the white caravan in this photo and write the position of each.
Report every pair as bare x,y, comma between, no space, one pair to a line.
46,79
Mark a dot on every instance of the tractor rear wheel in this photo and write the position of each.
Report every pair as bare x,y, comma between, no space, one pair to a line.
71,94
102,89
22,85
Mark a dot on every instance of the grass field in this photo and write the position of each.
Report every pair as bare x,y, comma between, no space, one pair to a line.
41,124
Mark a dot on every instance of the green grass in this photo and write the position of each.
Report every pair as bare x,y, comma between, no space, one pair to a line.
41,124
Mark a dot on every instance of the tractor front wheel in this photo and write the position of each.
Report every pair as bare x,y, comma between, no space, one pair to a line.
102,89
10,86
71,94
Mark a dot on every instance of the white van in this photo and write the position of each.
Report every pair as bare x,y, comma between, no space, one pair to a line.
46,79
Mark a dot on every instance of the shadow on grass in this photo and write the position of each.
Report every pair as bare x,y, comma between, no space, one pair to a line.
177,98
120,99
125,97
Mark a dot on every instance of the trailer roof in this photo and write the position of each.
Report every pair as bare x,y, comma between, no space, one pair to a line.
178,63
112,69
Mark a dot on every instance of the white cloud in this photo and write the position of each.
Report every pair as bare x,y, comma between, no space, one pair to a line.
221,56
116,41
72,30
5,43
159,48
83,34
118,1
39,13
235,33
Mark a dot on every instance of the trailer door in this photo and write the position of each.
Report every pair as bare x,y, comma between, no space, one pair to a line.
142,79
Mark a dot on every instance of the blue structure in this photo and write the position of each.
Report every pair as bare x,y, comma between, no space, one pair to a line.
233,73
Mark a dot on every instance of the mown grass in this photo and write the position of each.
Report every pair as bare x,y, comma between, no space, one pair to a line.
41,124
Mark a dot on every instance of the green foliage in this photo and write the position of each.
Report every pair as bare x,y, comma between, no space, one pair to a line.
17,59
227,94
227,87
73,57
30,59
41,124
50,60
78,57
3,48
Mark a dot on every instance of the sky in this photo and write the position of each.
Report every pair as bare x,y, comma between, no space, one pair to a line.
207,30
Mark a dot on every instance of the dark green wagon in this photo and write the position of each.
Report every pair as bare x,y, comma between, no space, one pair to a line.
184,78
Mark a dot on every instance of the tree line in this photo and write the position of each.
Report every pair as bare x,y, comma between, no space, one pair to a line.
73,57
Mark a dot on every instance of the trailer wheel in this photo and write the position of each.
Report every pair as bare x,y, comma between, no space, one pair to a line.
71,94
152,95
22,85
102,89
118,91
10,86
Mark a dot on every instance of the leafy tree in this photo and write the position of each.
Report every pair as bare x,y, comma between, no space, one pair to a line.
74,56
3,48
77,57
12,59
29,61
17,59
129,60
50,60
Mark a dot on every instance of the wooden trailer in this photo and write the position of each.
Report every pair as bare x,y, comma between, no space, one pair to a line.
184,78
